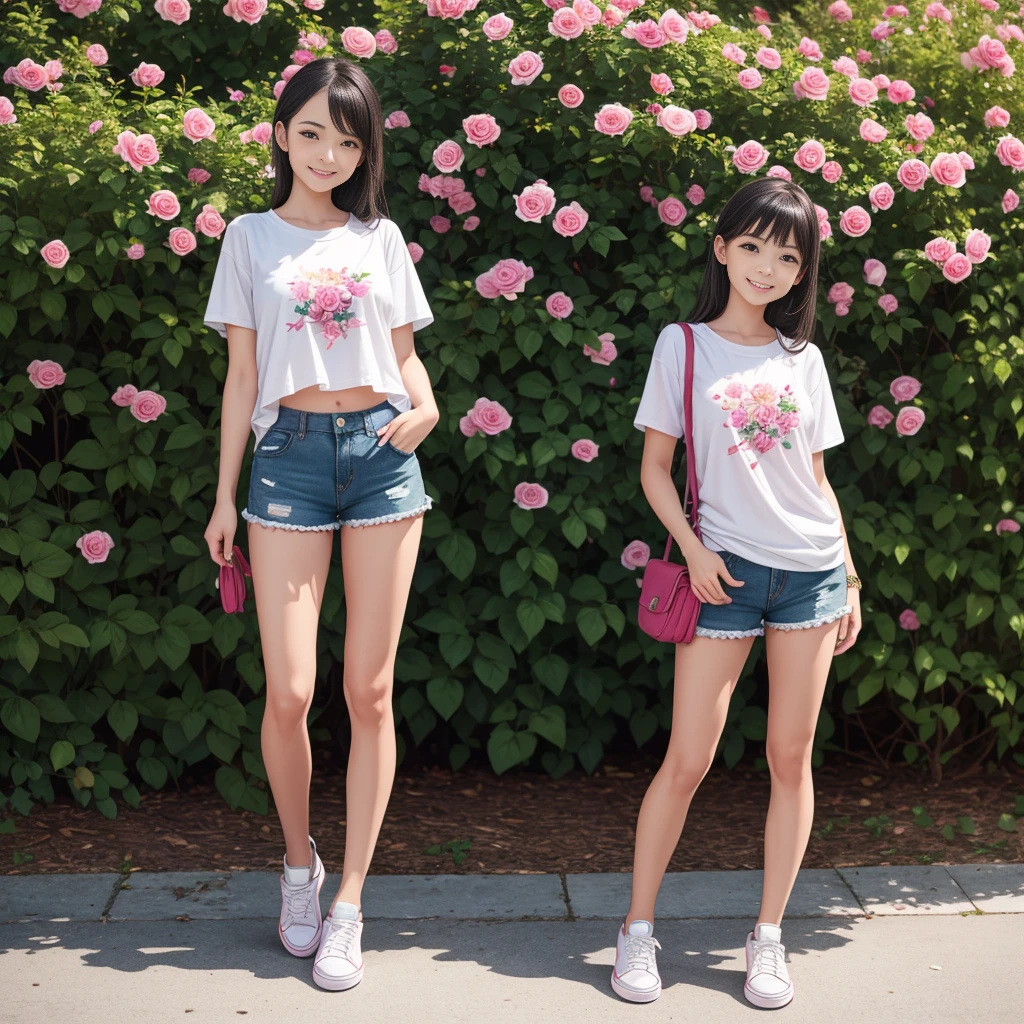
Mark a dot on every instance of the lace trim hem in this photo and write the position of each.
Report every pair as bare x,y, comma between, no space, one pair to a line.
845,610
392,518
249,517
729,634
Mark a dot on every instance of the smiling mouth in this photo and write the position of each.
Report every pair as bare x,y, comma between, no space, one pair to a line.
760,287
323,174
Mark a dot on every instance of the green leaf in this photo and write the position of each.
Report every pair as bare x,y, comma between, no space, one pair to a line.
506,748
591,624
53,304
20,717
979,608
549,723
458,552
123,719
62,753
445,696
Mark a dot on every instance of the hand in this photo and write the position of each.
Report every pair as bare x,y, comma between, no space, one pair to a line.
220,534
408,429
849,625
705,567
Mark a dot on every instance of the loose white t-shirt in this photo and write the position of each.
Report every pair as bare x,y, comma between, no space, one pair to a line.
322,302
759,412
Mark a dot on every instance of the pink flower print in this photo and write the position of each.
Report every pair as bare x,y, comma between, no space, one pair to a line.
358,288
765,416
328,298
764,394
739,418
763,442
331,331
300,290
734,389
761,415
324,297
95,546
787,421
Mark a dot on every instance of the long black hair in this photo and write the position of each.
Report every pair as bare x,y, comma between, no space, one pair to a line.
355,109
781,207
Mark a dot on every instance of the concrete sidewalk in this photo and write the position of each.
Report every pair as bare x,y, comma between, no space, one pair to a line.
476,948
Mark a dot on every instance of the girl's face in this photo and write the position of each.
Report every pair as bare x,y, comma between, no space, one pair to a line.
760,270
321,156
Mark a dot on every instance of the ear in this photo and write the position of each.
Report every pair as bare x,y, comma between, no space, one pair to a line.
719,247
281,135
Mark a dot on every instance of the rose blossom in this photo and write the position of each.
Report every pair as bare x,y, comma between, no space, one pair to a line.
210,222
96,55
570,220
872,131
695,194
471,223
703,119
440,224
28,74
956,268
635,555
676,121
881,196
448,156
198,175
671,211
880,417
566,24
164,204
525,67
832,171
487,416
530,496
909,421
558,305
841,291
749,78
810,156
124,395
385,41
612,119
535,201
1010,201
358,41
977,245
1007,526
147,75
45,373
904,388
811,85
946,169
778,171
661,84
177,11
749,157
95,126
734,53
79,8
570,96
608,352
55,253
249,11
95,546
181,241
148,405
900,91
912,174
863,91
197,125
769,58
874,272
585,450
507,278
1010,152
909,620
855,221
996,117
889,303
920,126
481,129
938,250
136,251
461,202
497,27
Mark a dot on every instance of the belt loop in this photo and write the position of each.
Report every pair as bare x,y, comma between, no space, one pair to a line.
368,423
302,424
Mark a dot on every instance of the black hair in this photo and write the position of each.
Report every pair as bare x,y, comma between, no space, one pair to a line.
356,110
783,208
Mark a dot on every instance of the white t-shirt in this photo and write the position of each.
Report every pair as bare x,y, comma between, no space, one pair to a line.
322,302
759,413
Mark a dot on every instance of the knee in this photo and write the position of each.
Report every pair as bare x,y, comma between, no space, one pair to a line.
790,762
684,774
288,704
369,701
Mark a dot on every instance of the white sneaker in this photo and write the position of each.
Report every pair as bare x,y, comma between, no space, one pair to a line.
635,974
339,960
767,983
301,921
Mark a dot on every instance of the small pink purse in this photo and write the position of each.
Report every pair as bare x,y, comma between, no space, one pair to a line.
232,582
668,606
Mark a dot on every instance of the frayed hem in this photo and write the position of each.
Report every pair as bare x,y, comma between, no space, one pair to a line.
811,623
250,518
394,517
728,634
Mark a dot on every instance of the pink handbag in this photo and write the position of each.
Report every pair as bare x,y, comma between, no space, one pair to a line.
668,606
232,582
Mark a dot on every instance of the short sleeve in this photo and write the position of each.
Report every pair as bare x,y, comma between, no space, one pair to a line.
661,405
230,299
409,301
826,430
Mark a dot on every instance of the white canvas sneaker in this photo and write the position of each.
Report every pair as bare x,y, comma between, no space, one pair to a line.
635,974
767,983
301,921
339,960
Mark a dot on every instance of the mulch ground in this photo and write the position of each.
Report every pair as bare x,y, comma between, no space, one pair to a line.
530,823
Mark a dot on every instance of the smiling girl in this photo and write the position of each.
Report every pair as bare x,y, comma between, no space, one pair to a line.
772,558
318,299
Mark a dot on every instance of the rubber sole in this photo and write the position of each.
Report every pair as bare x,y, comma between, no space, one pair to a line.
315,943
769,1002
338,984
634,997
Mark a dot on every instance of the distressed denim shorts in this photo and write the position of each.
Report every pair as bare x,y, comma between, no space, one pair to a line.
779,598
323,471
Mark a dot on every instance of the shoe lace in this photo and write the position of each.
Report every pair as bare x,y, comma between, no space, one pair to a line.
640,952
339,937
769,957
298,900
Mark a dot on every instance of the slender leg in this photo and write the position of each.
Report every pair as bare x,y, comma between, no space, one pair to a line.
706,673
798,667
378,563
289,570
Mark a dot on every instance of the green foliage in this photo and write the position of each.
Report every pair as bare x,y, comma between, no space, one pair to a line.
521,643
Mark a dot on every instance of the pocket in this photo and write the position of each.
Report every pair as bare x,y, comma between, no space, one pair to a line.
398,451
274,443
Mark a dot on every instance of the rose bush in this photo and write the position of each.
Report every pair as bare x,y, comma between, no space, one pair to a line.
560,214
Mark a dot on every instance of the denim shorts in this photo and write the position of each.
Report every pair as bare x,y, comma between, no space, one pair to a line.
779,598
323,471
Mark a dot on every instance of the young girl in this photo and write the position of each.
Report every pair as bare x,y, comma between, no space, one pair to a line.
318,299
773,559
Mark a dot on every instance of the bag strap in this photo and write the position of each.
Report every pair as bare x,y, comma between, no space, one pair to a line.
691,493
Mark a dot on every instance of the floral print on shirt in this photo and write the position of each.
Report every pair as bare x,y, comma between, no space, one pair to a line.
324,297
761,414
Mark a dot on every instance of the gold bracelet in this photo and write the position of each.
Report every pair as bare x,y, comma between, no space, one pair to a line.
853,581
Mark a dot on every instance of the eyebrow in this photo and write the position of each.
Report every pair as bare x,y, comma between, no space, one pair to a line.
760,239
316,124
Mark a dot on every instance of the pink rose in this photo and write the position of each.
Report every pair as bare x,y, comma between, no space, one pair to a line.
764,442
197,125
809,48
164,204
920,126
566,24
147,75
635,555
695,194
749,157
79,8
841,291
585,450
570,96
904,388
55,253
768,58
608,351
810,156
1010,152
329,298
912,174
177,11
124,395
249,11
909,421
881,196
448,156
880,417
198,175
45,373
461,202
1010,201
748,78
497,27
181,241
290,72
612,119
359,42
909,620
703,119
136,251
676,121
734,53
1007,526
440,224
314,5
872,131
778,171
558,305
863,91
481,129
95,546
874,272
840,11
570,220
490,417
535,201
847,67
739,418
470,224
661,84
946,169
996,117
671,211
262,132
855,221
148,405
977,245
831,171
900,91
525,67
96,55
889,303
938,250
28,74
95,126
209,222
137,151
957,268
812,84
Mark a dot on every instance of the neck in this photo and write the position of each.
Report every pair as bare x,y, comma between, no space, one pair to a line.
743,321
313,207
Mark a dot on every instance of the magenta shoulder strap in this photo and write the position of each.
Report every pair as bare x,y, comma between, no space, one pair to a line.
691,494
